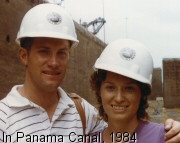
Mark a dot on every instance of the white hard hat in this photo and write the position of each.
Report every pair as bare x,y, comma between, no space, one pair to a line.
128,58
48,20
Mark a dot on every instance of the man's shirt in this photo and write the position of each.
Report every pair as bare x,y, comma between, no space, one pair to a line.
24,121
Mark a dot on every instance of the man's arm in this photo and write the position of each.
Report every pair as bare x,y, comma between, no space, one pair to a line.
3,121
173,131
93,123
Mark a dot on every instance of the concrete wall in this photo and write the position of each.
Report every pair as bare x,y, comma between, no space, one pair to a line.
11,13
81,63
12,71
156,84
171,78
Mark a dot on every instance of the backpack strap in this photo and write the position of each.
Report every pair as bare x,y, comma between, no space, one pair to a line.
77,100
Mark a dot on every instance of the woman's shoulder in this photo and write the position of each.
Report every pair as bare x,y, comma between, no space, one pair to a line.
149,125
150,132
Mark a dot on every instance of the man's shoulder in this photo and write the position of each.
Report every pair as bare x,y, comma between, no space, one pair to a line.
12,93
3,103
4,109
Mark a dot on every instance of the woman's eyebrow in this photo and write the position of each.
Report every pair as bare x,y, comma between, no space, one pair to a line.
132,82
106,81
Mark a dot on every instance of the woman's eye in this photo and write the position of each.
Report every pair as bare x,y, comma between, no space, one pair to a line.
110,87
129,88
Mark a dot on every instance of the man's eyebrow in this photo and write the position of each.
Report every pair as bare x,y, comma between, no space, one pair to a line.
65,48
43,47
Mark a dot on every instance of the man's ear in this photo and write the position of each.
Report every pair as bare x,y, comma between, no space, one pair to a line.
23,55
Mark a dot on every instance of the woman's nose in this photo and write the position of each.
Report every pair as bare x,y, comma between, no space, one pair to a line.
119,96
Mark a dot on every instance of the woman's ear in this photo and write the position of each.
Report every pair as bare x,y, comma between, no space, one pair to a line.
23,55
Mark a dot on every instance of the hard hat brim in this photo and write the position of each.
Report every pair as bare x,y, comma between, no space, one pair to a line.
49,35
124,72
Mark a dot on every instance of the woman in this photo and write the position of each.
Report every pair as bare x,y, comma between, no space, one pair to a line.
122,83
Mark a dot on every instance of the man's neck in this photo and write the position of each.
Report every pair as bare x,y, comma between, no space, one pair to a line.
47,100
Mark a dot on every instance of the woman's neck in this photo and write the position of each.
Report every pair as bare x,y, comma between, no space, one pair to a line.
120,126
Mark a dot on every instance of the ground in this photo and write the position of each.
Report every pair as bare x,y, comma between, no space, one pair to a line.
159,114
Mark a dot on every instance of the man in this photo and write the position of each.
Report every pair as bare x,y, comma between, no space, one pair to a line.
40,110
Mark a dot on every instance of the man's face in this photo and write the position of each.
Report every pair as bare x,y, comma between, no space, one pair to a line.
46,62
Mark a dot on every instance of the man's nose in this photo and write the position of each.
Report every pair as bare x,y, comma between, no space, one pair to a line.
53,60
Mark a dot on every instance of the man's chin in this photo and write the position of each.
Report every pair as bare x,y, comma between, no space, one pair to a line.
52,85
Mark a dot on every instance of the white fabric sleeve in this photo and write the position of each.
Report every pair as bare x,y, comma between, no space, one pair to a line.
93,123
3,121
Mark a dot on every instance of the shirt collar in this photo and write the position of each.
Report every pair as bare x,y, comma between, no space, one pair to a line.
14,99
64,98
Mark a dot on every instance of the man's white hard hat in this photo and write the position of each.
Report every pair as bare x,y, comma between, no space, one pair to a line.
128,58
48,20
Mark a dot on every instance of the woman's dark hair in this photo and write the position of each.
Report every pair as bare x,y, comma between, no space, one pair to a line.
96,80
26,42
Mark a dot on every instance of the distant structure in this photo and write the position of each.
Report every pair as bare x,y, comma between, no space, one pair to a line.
171,80
96,24
156,84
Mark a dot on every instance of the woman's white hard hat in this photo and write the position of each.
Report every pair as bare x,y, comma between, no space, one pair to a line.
128,58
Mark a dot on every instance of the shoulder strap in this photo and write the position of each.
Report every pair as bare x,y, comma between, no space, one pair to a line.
77,100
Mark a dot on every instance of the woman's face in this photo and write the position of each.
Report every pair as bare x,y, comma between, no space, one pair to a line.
120,97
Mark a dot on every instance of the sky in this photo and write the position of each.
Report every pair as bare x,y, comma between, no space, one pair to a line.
155,23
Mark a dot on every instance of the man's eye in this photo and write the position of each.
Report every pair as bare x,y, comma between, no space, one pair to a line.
43,51
62,53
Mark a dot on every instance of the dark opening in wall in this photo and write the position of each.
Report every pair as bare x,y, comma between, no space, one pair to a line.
7,1
8,38
32,1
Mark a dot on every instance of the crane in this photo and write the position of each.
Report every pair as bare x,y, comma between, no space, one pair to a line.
97,24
